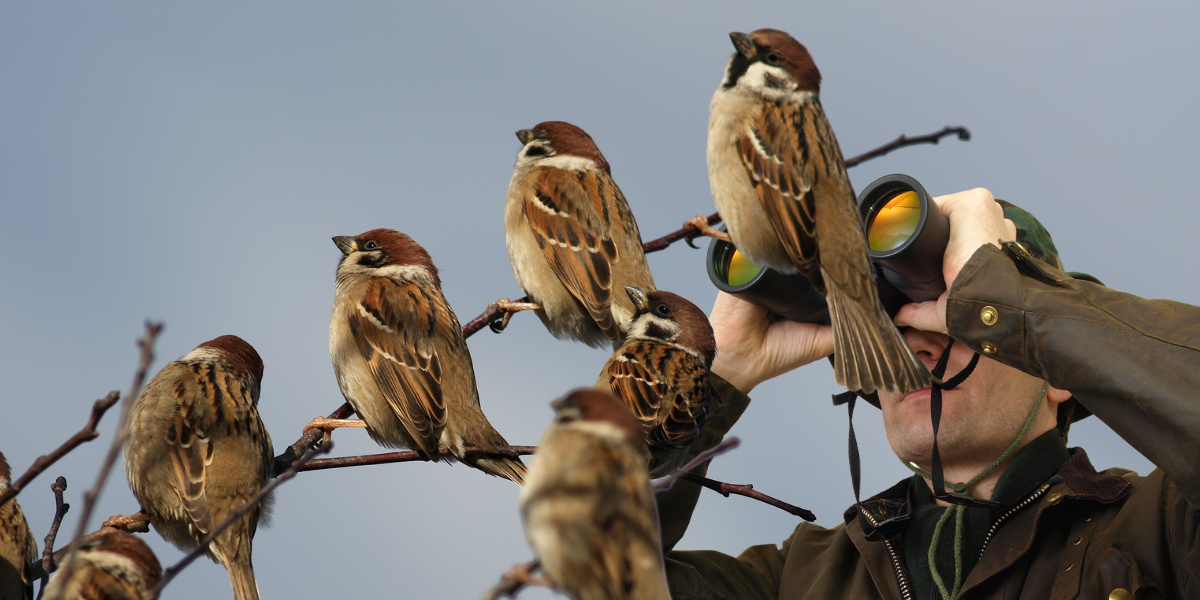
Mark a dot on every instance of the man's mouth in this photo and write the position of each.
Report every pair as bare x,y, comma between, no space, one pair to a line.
921,394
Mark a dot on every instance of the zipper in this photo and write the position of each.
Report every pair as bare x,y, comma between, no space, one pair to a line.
996,526
901,577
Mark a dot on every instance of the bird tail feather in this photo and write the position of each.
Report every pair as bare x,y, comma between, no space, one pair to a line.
869,352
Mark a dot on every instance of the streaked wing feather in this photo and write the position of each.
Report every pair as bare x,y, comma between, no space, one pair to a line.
569,218
397,339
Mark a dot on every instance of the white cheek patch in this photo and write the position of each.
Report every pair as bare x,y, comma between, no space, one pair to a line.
755,79
203,354
403,272
653,327
601,429
564,162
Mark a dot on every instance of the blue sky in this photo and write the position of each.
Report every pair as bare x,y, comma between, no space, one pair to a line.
190,163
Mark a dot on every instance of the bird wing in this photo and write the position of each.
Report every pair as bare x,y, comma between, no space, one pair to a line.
568,213
190,443
791,155
395,327
665,387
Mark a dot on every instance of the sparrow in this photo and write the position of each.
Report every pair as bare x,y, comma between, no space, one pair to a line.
571,237
117,566
197,451
780,184
588,505
18,548
400,357
661,374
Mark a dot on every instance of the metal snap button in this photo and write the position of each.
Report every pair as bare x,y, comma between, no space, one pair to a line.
1120,594
989,315
988,348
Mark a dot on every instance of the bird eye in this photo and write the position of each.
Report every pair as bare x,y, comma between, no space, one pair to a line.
371,245
773,58
663,310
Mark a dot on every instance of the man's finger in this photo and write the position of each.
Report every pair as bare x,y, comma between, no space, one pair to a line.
926,316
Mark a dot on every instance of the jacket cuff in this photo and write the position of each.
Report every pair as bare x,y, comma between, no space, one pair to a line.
986,305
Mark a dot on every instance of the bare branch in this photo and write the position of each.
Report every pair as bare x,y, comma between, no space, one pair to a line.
664,483
146,344
408,456
747,490
87,434
963,134
241,511
60,510
516,579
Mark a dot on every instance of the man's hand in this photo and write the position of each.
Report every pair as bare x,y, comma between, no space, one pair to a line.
975,219
752,348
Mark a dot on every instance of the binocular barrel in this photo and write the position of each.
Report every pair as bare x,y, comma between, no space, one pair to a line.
906,237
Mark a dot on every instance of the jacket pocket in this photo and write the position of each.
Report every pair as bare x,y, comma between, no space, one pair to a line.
1110,573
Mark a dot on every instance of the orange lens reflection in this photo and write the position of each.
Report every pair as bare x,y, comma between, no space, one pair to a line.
740,270
895,222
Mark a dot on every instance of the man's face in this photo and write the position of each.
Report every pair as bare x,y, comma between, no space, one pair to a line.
980,417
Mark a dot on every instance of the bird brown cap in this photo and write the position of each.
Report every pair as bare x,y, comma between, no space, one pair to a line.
239,353
567,139
397,249
777,48
695,331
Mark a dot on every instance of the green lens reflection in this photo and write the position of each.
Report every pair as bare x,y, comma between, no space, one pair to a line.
895,222
740,270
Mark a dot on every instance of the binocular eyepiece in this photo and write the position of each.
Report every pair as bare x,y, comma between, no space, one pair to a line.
906,236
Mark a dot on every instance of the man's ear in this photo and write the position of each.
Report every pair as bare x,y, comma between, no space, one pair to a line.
1057,396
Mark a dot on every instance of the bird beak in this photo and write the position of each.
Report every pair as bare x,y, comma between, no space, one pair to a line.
744,44
525,135
641,301
346,243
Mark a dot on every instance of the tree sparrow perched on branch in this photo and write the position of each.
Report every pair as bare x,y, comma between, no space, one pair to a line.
118,566
400,357
661,374
18,548
780,184
197,450
572,239
588,506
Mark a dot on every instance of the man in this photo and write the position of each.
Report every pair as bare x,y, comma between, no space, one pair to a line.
1053,348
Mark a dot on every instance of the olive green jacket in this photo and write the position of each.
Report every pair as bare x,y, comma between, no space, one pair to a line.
1133,363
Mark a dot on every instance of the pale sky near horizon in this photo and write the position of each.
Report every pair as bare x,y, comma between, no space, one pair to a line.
190,163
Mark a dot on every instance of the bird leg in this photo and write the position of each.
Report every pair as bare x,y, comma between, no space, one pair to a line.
700,222
516,578
136,522
328,425
509,307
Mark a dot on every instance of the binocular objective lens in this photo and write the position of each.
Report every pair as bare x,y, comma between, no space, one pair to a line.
895,222
740,270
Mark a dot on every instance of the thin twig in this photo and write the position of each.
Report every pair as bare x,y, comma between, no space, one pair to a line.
665,482
87,434
309,440
408,456
60,510
146,344
241,511
747,490
963,134
514,580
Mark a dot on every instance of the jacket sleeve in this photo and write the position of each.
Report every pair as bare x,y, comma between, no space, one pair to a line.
1134,363
705,574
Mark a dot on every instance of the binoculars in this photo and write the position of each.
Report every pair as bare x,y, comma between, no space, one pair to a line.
906,236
